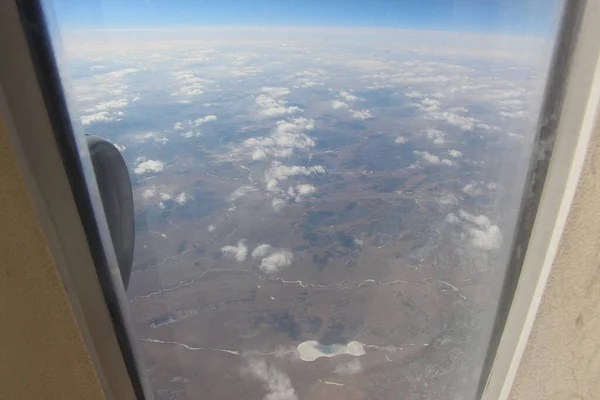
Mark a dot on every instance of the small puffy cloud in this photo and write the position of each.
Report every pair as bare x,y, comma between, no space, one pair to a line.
348,96
350,368
436,136
400,140
276,261
515,114
447,199
281,172
149,192
149,166
277,383
261,251
428,157
413,94
191,134
447,162
489,238
239,252
240,192
452,219
211,228
165,196
276,91
102,116
151,137
455,153
306,189
204,120
491,186
480,219
481,232
428,102
182,198
360,114
471,189
336,104
107,105
271,106
120,147
278,204
287,137
299,191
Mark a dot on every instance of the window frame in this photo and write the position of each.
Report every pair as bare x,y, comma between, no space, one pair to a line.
68,205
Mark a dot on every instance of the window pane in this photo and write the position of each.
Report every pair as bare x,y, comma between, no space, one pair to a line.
325,193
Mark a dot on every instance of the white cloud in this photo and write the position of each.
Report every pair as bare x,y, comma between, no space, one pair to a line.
413,94
149,192
336,104
305,189
211,228
430,102
436,136
276,91
348,96
447,162
276,261
191,85
447,199
360,114
191,134
350,368
482,233
204,120
278,384
151,136
299,191
489,238
428,157
107,105
120,147
240,192
165,196
471,189
271,106
400,140
491,186
515,114
452,219
278,204
103,116
238,252
480,219
149,166
281,172
183,198
261,251
287,136
455,153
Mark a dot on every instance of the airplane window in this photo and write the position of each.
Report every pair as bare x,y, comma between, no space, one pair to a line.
325,193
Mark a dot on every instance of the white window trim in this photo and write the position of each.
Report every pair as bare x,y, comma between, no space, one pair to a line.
575,128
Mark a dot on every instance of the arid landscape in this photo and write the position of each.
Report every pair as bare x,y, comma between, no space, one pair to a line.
324,220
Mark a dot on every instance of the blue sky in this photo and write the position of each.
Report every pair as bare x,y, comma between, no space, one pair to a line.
534,17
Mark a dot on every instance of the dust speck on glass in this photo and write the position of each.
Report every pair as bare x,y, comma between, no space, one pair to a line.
325,191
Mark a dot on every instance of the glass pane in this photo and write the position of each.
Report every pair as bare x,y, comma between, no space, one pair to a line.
325,192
